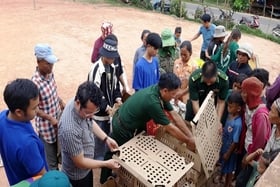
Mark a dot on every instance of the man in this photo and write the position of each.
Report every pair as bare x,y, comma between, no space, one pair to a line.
104,73
147,68
144,105
76,135
21,149
207,30
50,105
201,82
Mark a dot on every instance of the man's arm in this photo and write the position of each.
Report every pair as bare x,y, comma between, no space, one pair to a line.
195,106
195,36
48,117
220,108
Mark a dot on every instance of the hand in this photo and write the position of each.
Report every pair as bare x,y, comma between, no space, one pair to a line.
112,144
226,156
191,144
109,111
220,130
259,151
112,164
61,104
53,121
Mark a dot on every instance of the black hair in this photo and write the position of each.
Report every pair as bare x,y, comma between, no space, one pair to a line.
170,81
261,74
234,35
209,69
270,156
18,93
88,91
235,97
186,44
154,40
206,18
240,78
112,37
178,30
145,31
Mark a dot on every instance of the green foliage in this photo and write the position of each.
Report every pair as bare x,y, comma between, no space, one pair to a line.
229,24
177,9
146,4
239,5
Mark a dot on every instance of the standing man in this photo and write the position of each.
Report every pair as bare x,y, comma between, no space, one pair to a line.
105,74
20,147
144,105
201,82
207,30
50,105
76,136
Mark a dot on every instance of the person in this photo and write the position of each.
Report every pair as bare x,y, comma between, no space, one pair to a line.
76,135
230,139
207,30
168,53
226,53
177,36
238,82
106,29
104,73
53,179
257,124
141,50
50,104
151,103
274,117
21,149
263,75
183,69
272,92
260,166
201,82
216,42
147,68
244,53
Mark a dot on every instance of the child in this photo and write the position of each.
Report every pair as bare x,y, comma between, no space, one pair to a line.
265,158
207,30
177,36
231,133
147,68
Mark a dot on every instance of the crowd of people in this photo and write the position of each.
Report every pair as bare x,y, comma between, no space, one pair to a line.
85,132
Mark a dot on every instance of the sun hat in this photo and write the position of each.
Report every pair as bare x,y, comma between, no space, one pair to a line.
246,48
44,52
109,49
52,178
220,31
167,38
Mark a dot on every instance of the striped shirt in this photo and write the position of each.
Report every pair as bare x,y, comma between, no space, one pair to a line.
76,137
48,103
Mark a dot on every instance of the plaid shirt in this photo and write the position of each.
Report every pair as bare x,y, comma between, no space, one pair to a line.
49,104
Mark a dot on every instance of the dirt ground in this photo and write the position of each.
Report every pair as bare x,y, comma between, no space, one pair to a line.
71,28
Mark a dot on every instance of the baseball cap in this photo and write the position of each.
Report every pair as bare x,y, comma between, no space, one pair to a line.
167,38
246,48
44,51
52,178
109,49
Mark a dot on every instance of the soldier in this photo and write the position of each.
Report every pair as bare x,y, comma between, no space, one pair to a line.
201,82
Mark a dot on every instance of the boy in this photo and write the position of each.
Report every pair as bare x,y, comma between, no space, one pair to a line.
50,105
21,149
147,68
231,133
177,36
207,30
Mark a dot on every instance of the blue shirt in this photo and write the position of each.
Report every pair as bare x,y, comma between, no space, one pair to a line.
21,149
207,35
146,73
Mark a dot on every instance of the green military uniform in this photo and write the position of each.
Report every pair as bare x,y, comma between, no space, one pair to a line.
133,115
167,56
199,90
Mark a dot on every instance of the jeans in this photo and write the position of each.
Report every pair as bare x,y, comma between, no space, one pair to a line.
100,146
85,182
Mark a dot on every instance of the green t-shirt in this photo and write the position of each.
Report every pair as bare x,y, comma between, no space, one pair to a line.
199,90
137,110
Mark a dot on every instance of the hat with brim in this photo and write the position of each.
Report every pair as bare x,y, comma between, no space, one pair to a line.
52,178
167,38
220,32
109,49
246,48
44,52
